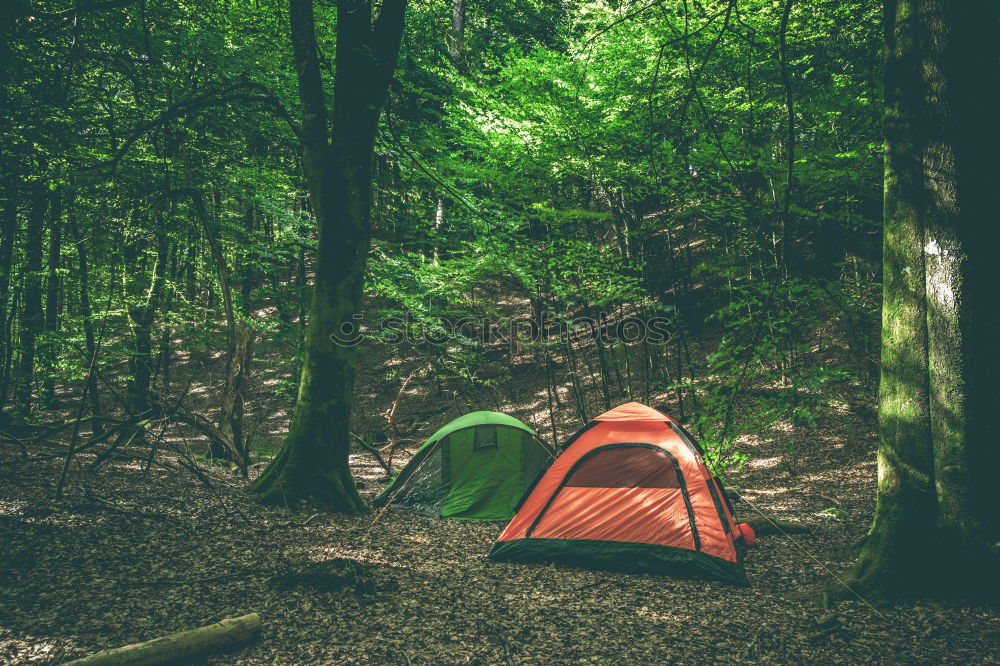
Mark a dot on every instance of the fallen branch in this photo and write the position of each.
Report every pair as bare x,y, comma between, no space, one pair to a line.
90,443
832,500
375,454
182,646
293,523
190,465
122,442
210,431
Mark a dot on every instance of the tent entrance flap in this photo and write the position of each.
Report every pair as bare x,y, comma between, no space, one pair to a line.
485,468
475,468
621,492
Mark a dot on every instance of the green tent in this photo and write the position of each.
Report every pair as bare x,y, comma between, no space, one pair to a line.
475,468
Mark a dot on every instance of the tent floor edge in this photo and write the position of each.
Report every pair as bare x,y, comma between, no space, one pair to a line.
620,556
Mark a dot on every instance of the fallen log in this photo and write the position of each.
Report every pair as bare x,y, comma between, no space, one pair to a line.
182,646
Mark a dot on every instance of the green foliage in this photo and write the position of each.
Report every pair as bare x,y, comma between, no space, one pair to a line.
577,158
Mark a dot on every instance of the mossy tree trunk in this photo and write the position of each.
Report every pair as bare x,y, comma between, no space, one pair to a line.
935,517
963,303
312,467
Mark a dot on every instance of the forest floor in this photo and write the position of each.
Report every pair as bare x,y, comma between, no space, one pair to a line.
137,550
130,555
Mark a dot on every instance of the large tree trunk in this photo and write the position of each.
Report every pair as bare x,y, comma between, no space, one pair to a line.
963,305
313,464
936,504
32,318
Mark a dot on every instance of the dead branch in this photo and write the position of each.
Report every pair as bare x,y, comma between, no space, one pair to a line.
375,453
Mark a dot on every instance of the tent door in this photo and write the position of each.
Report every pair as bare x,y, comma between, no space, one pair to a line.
621,492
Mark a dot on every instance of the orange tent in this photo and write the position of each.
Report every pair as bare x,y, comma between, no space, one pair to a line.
630,491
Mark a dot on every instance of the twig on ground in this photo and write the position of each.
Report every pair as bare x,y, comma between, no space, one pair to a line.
375,454
190,465
292,523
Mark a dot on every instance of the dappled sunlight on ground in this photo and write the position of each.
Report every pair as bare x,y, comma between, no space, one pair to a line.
160,557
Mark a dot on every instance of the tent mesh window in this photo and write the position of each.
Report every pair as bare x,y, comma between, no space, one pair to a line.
479,471
425,489
485,437
625,467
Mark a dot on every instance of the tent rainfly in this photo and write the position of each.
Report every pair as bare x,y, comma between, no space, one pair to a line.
475,468
630,491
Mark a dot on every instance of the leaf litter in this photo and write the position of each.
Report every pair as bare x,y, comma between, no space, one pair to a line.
130,555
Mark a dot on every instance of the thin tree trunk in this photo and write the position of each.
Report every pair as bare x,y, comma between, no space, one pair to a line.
9,231
602,366
191,268
163,354
52,297
238,349
581,405
83,278
302,290
142,314
32,318
438,225
786,82
456,34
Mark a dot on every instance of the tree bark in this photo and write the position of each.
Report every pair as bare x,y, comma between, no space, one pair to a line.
963,306
935,509
312,467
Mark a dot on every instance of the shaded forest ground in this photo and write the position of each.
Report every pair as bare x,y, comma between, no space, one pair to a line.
138,549
130,555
